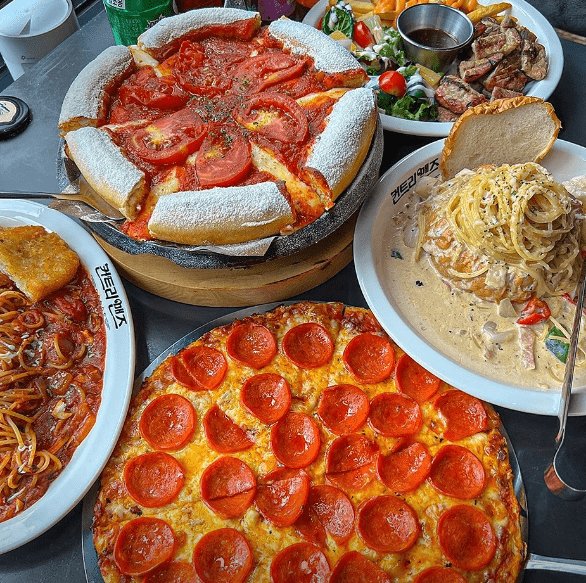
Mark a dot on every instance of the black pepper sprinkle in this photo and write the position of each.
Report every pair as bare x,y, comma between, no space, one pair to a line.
419,283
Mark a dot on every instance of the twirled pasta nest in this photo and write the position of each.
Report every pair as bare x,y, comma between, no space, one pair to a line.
503,232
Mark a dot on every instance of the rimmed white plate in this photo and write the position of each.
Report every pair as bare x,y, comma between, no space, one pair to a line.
371,257
526,16
91,455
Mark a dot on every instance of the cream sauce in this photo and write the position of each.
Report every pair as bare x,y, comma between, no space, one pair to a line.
452,321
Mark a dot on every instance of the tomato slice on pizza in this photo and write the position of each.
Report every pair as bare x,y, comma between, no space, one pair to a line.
170,139
223,159
273,115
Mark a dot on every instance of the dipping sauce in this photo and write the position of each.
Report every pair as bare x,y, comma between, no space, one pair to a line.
433,37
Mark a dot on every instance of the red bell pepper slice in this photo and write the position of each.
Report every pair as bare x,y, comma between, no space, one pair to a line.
535,311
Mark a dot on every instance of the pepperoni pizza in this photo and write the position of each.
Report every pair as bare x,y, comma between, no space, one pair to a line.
215,130
302,445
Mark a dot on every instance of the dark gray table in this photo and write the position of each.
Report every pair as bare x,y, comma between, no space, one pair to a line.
557,528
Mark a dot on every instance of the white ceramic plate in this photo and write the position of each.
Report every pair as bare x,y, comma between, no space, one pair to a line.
527,16
371,258
91,456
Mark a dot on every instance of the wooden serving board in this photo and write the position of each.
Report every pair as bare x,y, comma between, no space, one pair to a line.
270,281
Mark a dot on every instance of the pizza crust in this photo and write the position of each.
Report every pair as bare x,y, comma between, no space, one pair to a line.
339,151
167,35
115,178
86,101
221,216
329,57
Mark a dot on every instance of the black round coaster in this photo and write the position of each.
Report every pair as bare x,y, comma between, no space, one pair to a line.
15,115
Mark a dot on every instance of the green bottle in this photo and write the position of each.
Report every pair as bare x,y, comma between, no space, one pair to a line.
130,18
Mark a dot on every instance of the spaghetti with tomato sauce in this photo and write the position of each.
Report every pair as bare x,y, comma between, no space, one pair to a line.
52,355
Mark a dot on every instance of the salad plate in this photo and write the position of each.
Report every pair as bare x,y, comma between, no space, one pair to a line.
527,16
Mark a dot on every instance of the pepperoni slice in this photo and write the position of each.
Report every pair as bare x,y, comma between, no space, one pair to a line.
465,415
295,440
351,461
267,396
281,495
153,479
223,435
168,422
369,358
142,545
404,470
252,345
395,415
228,487
415,381
354,567
457,472
440,575
174,572
328,509
222,556
300,563
200,368
343,409
466,537
387,524
308,345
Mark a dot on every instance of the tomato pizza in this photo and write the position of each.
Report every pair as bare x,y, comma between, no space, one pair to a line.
215,130
302,445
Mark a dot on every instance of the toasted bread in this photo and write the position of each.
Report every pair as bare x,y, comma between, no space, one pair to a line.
38,262
504,131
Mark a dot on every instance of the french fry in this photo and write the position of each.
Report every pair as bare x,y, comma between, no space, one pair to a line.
361,6
483,11
469,6
364,16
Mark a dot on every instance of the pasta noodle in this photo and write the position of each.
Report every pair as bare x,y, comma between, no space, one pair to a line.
501,223
51,365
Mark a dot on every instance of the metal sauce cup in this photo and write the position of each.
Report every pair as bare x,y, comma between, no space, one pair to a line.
433,34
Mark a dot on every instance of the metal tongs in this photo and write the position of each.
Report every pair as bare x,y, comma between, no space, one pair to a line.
85,194
553,479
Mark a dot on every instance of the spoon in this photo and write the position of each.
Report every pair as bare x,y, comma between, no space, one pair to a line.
85,194
553,479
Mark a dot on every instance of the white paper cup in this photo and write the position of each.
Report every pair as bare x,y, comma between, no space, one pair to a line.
29,29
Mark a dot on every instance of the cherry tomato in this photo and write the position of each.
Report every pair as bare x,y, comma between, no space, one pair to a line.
170,139
393,83
285,120
362,34
535,311
223,159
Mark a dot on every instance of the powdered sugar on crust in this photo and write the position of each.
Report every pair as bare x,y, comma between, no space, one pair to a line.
106,169
84,101
221,215
335,149
175,27
299,38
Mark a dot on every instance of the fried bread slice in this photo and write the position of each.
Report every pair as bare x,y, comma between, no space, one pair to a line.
37,261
